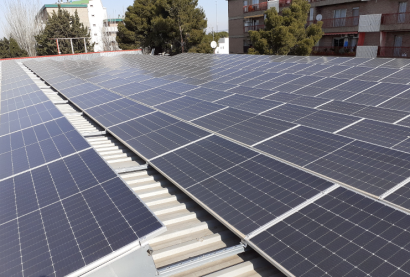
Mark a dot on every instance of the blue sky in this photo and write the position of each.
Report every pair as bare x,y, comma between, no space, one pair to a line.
115,7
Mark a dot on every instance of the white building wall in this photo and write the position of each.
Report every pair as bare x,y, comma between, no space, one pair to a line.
223,47
96,15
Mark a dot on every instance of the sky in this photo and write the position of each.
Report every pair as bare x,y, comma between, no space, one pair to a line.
218,19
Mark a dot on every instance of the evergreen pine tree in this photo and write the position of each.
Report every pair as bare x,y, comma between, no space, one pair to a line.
286,34
63,25
9,48
163,25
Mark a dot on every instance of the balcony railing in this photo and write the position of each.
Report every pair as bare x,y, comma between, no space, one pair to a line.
394,52
255,7
395,18
333,51
341,22
253,28
285,3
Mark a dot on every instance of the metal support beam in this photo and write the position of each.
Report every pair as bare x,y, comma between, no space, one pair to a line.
201,260
85,46
72,48
58,47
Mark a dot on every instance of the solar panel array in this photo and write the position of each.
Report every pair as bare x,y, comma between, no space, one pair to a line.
61,206
306,158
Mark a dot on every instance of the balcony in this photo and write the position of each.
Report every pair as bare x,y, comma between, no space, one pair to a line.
333,51
318,3
256,7
284,3
253,28
341,22
394,52
111,29
395,21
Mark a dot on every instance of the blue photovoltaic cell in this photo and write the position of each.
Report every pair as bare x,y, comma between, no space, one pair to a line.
364,166
289,112
327,121
118,111
69,214
130,89
341,234
249,194
256,129
223,119
303,145
379,133
94,98
155,96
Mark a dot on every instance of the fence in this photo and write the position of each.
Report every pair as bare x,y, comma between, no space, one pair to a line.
255,7
80,56
395,18
254,28
333,51
394,52
341,22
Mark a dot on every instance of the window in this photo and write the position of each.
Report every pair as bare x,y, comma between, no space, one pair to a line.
95,34
402,12
355,14
312,10
338,42
339,18
95,25
91,6
397,45
92,15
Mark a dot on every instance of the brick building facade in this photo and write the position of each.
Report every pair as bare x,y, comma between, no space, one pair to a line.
378,27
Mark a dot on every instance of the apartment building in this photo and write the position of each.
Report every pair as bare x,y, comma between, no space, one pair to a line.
110,32
351,27
92,14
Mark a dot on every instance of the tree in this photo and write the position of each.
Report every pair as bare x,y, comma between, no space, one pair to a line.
173,25
9,48
286,34
205,45
22,23
63,25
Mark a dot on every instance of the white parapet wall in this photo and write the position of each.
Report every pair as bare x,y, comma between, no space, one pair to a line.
96,15
366,51
370,23
273,4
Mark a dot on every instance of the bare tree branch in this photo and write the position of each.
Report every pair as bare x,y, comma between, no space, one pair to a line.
22,23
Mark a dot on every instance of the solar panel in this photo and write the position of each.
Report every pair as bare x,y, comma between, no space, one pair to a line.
58,225
379,133
94,98
155,96
117,112
27,117
207,94
308,101
255,129
221,174
341,234
342,107
289,112
256,196
366,167
380,114
303,145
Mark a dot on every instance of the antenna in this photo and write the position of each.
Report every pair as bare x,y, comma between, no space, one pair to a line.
216,2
